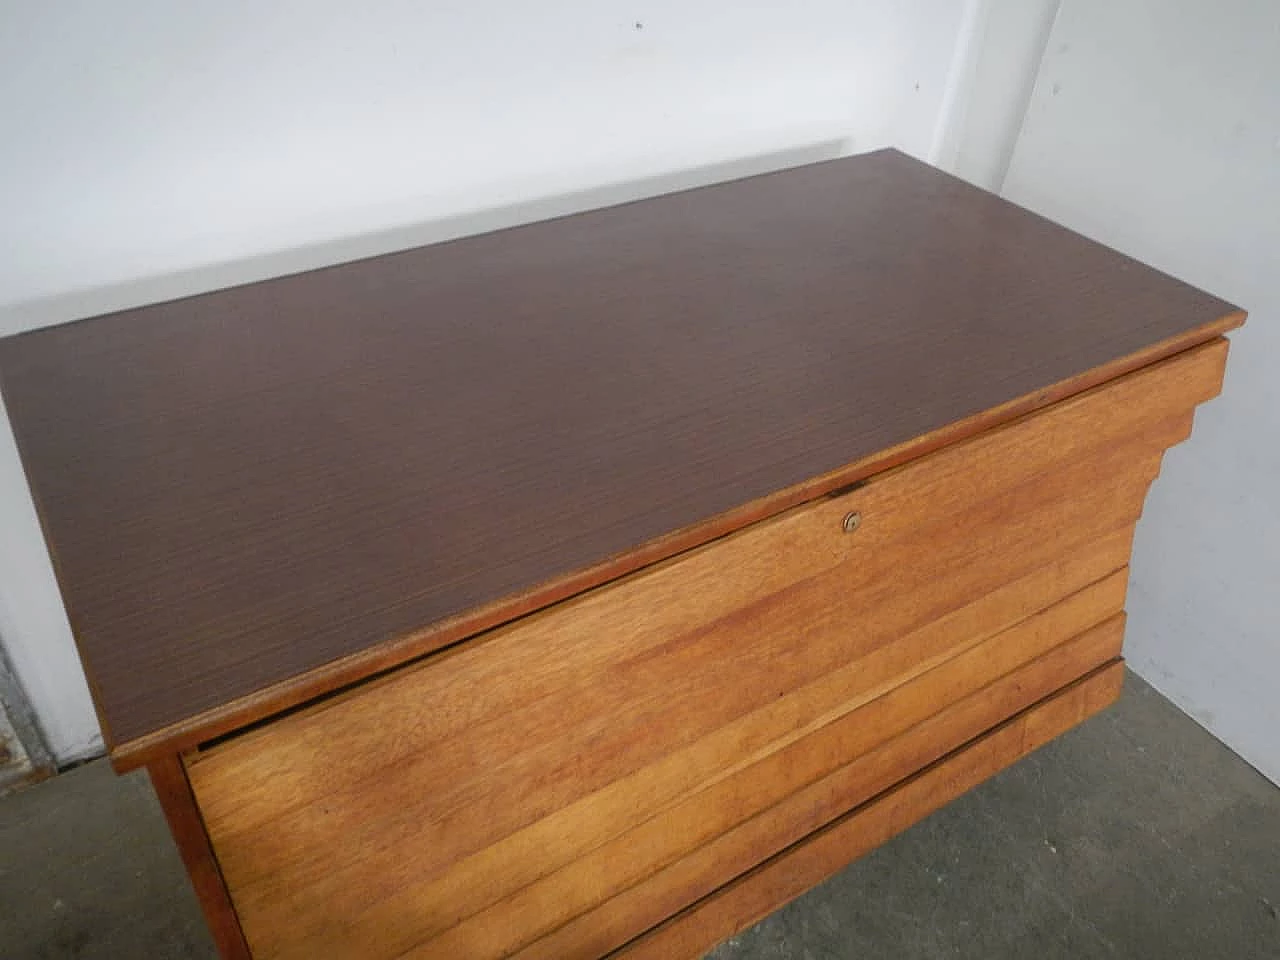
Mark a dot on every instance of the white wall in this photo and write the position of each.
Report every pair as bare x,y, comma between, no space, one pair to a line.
152,149
1004,61
1155,128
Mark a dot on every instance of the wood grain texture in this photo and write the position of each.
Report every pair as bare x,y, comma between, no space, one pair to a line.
662,626
687,851
396,897
629,913
169,778
352,668
689,934
385,917
404,813
255,495
514,667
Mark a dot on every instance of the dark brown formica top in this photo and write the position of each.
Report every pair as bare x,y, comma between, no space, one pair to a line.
242,486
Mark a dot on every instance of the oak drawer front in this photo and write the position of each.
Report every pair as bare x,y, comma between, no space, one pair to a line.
756,893
687,850
487,799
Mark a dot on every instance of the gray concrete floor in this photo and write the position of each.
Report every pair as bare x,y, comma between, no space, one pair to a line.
1136,835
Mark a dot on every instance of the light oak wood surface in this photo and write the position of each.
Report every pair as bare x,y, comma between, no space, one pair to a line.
1097,418
745,787
557,784
775,882
685,852
701,872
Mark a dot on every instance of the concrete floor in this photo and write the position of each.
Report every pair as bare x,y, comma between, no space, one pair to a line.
1135,836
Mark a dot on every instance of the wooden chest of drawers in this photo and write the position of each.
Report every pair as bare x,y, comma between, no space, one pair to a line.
595,587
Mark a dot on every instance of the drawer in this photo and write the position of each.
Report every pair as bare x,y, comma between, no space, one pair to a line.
750,897
561,784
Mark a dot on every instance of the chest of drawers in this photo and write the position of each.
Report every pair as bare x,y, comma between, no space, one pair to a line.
595,587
